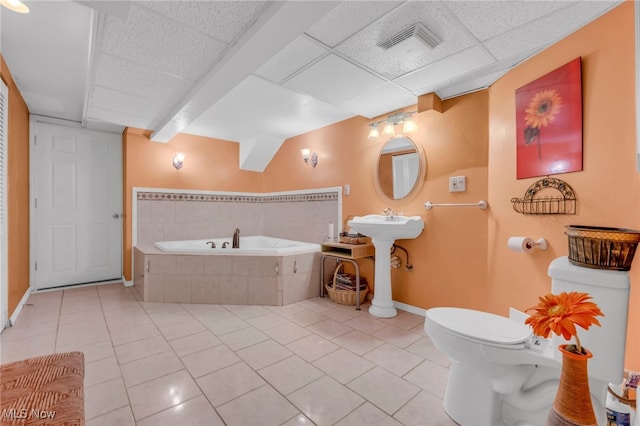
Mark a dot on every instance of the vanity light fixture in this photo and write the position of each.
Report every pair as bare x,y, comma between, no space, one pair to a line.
178,160
308,157
404,118
15,5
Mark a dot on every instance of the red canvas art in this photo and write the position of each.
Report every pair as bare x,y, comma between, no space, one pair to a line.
549,123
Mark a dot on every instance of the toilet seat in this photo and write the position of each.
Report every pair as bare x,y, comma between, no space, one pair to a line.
482,327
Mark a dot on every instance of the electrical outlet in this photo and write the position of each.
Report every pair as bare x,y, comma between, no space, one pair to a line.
347,189
457,184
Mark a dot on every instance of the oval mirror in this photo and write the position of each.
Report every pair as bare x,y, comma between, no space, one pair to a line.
400,168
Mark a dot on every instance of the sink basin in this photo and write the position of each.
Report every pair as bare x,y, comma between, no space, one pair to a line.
379,226
383,232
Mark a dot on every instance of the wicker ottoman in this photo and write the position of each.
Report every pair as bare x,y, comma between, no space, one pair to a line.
46,390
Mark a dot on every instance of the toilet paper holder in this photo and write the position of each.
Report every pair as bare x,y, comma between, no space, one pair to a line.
527,244
540,244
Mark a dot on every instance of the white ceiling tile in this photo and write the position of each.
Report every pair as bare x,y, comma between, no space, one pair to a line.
333,80
470,84
223,20
33,45
486,19
362,47
126,76
295,56
126,119
154,40
126,103
427,78
348,18
546,30
380,100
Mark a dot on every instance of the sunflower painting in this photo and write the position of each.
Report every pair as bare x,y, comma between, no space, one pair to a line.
549,123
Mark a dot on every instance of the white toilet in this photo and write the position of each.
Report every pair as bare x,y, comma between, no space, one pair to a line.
502,374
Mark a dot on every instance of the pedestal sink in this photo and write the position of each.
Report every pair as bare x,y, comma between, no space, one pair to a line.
384,230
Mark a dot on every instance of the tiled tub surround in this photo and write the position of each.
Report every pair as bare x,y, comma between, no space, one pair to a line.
169,215
225,279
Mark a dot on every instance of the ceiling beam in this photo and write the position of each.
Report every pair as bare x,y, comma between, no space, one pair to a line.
278,26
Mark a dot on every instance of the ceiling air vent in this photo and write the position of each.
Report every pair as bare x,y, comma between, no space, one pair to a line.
415,40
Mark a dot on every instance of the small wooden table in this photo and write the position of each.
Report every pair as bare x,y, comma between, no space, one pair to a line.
347,253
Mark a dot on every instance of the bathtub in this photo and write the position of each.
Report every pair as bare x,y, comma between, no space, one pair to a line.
249,246
263,271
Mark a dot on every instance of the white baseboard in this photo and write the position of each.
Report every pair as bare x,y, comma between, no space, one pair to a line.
127,283
18,308
409,308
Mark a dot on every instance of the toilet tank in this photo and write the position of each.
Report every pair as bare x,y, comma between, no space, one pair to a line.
610,291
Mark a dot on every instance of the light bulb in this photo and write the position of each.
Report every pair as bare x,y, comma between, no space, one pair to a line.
374,132
409,126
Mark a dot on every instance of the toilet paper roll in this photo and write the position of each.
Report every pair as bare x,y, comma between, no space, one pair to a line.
521,244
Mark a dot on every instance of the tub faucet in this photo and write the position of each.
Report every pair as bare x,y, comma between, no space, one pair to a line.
236,239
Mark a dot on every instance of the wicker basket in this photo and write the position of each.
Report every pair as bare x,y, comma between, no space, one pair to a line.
343,297
602,248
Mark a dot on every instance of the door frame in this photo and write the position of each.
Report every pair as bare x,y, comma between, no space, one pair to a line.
35,119
4,237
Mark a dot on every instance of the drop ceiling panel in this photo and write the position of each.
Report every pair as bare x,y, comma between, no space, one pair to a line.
126,103
259,107
333,80
33,45
428,78
363,48
126,119
486,19
157,41
547,30
348,18
125,76
222,20
295,56
379,101
467,85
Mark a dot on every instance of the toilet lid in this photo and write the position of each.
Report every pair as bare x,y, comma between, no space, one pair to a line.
480,325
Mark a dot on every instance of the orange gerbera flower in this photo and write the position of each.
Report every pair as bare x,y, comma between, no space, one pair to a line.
561,313
543,109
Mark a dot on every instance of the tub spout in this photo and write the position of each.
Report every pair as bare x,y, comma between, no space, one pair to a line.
236,239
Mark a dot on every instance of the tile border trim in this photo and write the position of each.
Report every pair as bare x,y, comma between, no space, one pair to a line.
162,195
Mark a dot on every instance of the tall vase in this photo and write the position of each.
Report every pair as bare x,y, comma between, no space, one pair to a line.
572,405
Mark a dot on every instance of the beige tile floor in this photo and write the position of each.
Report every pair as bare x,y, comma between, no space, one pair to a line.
310,363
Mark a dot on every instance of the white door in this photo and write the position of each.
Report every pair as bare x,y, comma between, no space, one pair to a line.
405,172
77,206
4,282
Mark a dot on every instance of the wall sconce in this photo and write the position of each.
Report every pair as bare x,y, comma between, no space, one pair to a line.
308,157
404,118
178,160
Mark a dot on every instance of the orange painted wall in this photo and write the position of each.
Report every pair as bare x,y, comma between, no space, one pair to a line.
608,189
209,165
448,258
17,192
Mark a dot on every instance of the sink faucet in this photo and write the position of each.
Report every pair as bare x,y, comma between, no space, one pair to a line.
236,239
213,244
388,212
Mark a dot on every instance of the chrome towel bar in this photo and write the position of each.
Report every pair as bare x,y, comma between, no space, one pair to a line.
482,204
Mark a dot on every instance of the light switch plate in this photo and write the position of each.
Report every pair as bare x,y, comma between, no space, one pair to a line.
457,184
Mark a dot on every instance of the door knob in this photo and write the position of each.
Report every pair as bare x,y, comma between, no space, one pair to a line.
116,215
